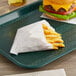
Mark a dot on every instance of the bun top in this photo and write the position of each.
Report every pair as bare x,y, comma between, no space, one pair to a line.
61,1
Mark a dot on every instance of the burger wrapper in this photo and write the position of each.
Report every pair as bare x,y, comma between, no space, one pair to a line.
72,21
31,38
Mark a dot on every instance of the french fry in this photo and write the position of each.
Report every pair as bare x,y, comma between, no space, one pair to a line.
53,37
58,45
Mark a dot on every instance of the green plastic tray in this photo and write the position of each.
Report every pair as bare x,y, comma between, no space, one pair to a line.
9,24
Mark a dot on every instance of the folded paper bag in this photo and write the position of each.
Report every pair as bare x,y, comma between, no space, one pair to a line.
32,38
57,72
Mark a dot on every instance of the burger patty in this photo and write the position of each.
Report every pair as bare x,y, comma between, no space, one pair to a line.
49,7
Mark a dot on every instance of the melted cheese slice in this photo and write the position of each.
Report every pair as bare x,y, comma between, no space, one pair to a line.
57,6
75,2
53,37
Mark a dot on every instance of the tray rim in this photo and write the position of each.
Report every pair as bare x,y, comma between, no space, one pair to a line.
17,10
20,8
34,67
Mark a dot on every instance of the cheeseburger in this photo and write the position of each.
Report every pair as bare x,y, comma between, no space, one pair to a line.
59,9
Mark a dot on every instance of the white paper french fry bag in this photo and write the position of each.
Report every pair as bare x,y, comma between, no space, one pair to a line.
32,38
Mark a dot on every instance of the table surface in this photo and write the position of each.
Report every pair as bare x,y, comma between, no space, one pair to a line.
68,62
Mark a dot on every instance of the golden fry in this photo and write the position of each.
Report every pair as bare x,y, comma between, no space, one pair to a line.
59,44
53,37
